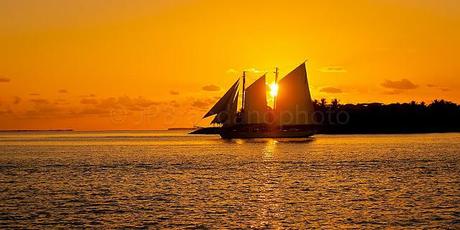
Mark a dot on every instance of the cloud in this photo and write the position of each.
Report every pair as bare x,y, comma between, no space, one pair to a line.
172,92
136,104
174,103
331,90
137,110
63,91
333,69
133,104
231,71
103,107
211,88
247,70
39,101
61,101
393,92
6,112
4,79
45,111
34,94
202,103
254,70
17,100
89,95
444,89
402,84
88,101
94,111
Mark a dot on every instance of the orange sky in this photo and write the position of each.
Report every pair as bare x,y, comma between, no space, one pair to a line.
155,64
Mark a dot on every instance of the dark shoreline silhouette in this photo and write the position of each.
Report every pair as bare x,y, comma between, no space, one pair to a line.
373,118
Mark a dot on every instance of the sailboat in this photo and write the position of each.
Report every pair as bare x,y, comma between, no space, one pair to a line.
290,117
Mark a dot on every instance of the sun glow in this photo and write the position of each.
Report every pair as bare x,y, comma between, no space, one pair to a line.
273,89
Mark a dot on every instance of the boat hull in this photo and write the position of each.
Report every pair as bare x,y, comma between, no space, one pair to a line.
237,133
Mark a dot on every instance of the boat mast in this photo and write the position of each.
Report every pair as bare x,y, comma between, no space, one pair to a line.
244,91
276,80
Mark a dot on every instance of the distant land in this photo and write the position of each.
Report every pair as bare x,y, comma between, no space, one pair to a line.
37,130
171,129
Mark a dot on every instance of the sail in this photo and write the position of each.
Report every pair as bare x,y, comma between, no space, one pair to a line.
232,112
255,102
227,117
224,101
293,102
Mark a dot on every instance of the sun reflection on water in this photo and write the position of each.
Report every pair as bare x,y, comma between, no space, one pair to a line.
269,149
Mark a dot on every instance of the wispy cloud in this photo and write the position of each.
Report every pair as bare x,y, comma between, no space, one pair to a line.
202,103
61,101
4,79
6,112
63,91
138,103
174,103
16,100
173,92
130,110
88,101
39,101
254,70
402,84
88,95
444,89
247,70
231,71
331,90
393,92
333,69
210,88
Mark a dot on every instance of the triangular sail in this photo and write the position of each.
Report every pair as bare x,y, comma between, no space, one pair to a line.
222,104
293,102
255,103
233,111
227,117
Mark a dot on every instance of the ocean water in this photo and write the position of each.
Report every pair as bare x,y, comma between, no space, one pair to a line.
173,180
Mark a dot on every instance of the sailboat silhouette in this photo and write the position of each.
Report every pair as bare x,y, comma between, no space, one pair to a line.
291,117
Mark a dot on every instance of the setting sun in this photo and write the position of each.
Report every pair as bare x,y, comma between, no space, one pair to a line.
273,89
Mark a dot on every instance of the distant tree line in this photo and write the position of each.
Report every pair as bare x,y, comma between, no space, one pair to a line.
413,117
